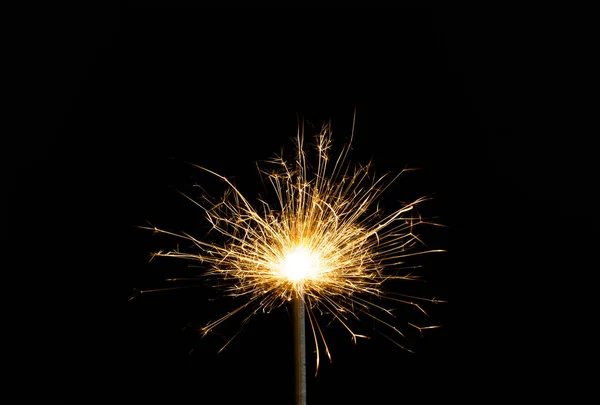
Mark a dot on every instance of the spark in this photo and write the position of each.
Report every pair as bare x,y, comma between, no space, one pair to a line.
324,239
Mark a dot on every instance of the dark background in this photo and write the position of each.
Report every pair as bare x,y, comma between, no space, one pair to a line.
114,101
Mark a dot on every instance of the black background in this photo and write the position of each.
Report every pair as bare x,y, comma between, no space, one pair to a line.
114,102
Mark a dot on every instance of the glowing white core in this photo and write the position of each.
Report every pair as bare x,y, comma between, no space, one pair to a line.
299,264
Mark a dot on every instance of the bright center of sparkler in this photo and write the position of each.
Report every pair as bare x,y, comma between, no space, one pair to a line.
299,264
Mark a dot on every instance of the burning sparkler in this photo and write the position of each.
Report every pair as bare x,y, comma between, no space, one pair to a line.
325,244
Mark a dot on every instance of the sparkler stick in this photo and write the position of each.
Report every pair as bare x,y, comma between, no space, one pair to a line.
299,348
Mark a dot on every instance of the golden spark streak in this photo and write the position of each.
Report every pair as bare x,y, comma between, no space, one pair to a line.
326,241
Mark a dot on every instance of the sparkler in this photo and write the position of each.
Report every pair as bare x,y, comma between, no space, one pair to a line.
325,245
